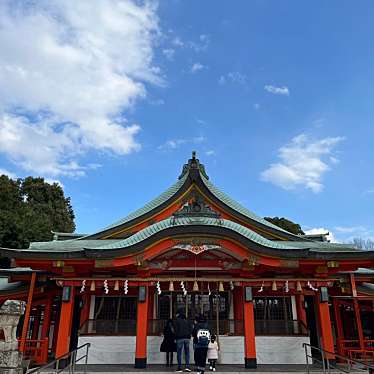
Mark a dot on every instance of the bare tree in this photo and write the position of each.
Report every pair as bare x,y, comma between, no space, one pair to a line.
365,244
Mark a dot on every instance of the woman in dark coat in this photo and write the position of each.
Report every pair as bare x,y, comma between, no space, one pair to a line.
169,345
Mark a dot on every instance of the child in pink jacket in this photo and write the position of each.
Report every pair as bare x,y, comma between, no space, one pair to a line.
212,353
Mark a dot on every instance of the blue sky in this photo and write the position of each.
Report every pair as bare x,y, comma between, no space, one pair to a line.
110,98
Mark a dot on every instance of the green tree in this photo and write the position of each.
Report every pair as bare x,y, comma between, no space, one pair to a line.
286,224
30,209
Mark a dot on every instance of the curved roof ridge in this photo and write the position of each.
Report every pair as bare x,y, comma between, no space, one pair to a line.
187,221
238,207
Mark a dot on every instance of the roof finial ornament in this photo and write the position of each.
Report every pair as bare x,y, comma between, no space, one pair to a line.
193,165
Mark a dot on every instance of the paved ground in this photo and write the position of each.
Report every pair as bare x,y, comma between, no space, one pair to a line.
232,369
220,369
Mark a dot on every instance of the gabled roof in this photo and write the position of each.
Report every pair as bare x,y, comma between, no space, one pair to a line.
194,174
242,226
190,225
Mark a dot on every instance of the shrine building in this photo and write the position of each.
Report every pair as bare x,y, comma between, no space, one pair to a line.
264,291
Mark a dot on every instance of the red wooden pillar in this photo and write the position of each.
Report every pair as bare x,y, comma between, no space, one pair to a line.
339,327
27,313
300,306
141,329
327,340
249,336
64,327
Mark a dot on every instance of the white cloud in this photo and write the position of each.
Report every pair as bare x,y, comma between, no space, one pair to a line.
233,77
68,70
211,152
197,66
354,230
176,143
344,234
277,90
177,42
197,46
8,173
169,53
302,163
172,144
52,181
348,233
330,237
201,45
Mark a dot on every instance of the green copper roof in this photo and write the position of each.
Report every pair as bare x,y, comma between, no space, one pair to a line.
238,207
201,221
194,164
322,246
68,245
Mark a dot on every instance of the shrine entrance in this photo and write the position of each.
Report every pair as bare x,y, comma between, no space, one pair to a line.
216,308
193,305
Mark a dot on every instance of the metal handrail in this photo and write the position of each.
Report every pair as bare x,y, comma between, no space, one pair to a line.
71,357
327,364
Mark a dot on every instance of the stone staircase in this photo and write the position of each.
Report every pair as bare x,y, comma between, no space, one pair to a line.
223,369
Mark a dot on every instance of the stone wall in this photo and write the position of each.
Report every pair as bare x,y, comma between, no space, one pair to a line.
270,349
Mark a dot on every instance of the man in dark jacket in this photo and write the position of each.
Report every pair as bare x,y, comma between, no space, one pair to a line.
183,330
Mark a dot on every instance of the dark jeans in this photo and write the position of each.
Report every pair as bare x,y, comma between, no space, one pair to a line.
200,357
183,344
169,358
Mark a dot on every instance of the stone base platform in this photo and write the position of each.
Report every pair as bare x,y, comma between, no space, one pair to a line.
229,369
11,371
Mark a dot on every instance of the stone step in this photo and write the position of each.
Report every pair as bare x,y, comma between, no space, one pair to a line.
221,369
218,372
272,370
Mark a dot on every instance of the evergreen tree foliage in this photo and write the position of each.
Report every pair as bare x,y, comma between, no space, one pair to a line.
30,209
286,224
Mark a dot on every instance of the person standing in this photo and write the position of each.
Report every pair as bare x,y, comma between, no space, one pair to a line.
201,336
183,332
168,345
213,353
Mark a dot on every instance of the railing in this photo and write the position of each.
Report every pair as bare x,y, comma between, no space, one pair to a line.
225,327
352,346
67,362
327,361
36,351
